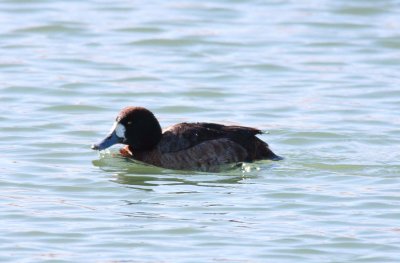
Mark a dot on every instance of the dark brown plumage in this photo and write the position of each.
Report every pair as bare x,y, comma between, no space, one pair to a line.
184,146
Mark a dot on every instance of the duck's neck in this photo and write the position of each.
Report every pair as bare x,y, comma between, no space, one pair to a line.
147,156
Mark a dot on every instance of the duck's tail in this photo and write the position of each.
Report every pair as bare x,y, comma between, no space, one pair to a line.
262,151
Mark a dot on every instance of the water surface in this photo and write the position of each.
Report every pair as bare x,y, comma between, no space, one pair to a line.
320,76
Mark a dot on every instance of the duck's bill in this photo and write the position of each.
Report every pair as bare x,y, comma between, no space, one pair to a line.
109,141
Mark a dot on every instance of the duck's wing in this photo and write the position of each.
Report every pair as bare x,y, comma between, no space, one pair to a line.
186,135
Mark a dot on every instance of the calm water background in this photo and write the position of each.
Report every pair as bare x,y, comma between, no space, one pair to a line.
321,76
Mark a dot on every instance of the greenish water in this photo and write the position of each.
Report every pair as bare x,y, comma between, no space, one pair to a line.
321,76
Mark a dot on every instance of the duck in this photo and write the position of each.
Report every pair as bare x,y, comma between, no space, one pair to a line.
198,146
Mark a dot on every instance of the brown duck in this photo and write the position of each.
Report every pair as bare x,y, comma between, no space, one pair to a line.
184,146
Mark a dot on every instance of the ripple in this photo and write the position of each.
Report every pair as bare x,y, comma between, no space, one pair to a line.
181,42
179,109
73,108
164,42
389,42
58,29
362,11
263,67
150,30
342,26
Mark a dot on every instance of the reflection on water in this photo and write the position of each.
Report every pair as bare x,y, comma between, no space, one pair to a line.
137,180
135,173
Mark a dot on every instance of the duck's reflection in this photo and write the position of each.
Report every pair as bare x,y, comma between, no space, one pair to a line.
145,177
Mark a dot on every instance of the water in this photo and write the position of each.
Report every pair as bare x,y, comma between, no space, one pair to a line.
320,76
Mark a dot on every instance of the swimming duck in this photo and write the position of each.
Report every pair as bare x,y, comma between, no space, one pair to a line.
183,146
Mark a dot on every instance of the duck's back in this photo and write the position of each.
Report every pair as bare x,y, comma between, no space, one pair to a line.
203,146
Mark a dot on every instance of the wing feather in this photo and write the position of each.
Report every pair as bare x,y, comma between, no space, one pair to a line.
186,135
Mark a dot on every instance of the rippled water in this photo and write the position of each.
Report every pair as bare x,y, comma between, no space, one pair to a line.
321,76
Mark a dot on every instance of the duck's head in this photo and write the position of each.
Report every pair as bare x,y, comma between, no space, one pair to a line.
134,126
